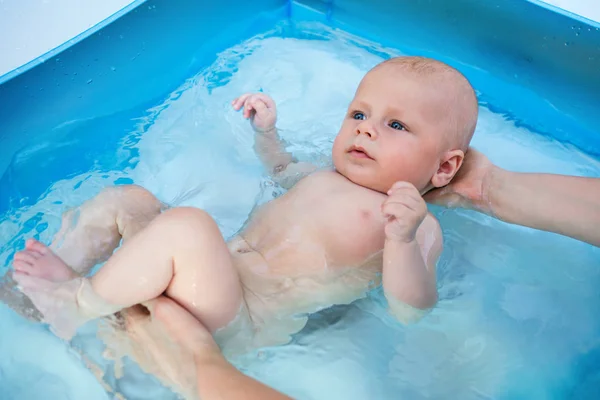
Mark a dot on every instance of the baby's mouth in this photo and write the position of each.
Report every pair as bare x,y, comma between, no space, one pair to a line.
359,152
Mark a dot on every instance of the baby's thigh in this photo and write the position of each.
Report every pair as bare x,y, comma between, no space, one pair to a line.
205,280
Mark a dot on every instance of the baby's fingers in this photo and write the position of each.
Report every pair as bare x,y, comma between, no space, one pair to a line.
396,210
408,199
248,108
400,185
239,102
258,105
269,103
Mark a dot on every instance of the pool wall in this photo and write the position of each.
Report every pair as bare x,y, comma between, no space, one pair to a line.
524,58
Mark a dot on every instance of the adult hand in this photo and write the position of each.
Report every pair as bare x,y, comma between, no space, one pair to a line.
216,377
469,188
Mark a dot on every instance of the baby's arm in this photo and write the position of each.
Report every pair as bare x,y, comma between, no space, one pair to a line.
412,247
280,163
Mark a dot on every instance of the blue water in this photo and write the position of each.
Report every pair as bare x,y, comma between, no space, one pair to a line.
517,316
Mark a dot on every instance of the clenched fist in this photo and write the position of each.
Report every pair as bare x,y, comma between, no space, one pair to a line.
405,210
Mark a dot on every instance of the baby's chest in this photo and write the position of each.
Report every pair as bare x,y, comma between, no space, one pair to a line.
352,230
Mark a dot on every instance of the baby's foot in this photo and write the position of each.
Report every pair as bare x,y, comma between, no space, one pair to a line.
39,261
56,301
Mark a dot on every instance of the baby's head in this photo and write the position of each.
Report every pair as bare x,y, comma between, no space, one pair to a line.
411,119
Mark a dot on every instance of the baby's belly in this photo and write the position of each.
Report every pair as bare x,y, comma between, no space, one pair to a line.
292,283
279,297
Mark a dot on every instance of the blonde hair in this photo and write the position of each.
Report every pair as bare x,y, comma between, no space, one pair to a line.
462,111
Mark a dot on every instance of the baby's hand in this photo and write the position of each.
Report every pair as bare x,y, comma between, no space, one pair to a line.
405,210
260,108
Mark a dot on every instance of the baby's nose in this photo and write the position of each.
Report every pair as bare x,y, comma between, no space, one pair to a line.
365,130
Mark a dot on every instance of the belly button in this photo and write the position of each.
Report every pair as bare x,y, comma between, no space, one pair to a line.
287,283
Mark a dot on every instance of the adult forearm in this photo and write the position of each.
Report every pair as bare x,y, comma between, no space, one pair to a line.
219,380
563,204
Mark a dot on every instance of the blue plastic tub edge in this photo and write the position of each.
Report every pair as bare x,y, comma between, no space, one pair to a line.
118,14
55,51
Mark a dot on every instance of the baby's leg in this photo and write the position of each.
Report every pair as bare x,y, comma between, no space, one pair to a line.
180,253
90,233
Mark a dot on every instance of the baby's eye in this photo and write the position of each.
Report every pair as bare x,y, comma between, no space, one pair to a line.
397,125
358,115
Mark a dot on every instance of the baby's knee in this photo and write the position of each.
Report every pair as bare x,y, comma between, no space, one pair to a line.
129,200
188,221
128,194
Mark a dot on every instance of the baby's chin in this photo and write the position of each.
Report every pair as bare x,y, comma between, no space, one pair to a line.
363,180
374,182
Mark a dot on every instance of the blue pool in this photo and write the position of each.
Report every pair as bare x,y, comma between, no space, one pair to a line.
146,100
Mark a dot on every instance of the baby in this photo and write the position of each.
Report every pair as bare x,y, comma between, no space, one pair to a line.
329,239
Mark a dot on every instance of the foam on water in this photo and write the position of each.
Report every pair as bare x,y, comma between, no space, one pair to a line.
517,306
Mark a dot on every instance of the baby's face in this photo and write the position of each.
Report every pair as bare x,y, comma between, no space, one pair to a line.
393,131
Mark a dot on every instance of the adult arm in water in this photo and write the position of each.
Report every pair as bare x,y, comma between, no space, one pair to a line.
216,377
568,205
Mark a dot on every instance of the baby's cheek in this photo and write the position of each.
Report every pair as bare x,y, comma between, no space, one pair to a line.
337,156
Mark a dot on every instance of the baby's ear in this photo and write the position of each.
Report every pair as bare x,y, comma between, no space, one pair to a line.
449,166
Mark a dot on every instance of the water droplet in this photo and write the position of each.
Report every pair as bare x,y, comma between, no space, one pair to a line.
90,81
113,69
576,33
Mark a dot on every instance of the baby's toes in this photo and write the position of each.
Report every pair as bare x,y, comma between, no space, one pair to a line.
36,246
24,262
30,284
23,267
25,257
